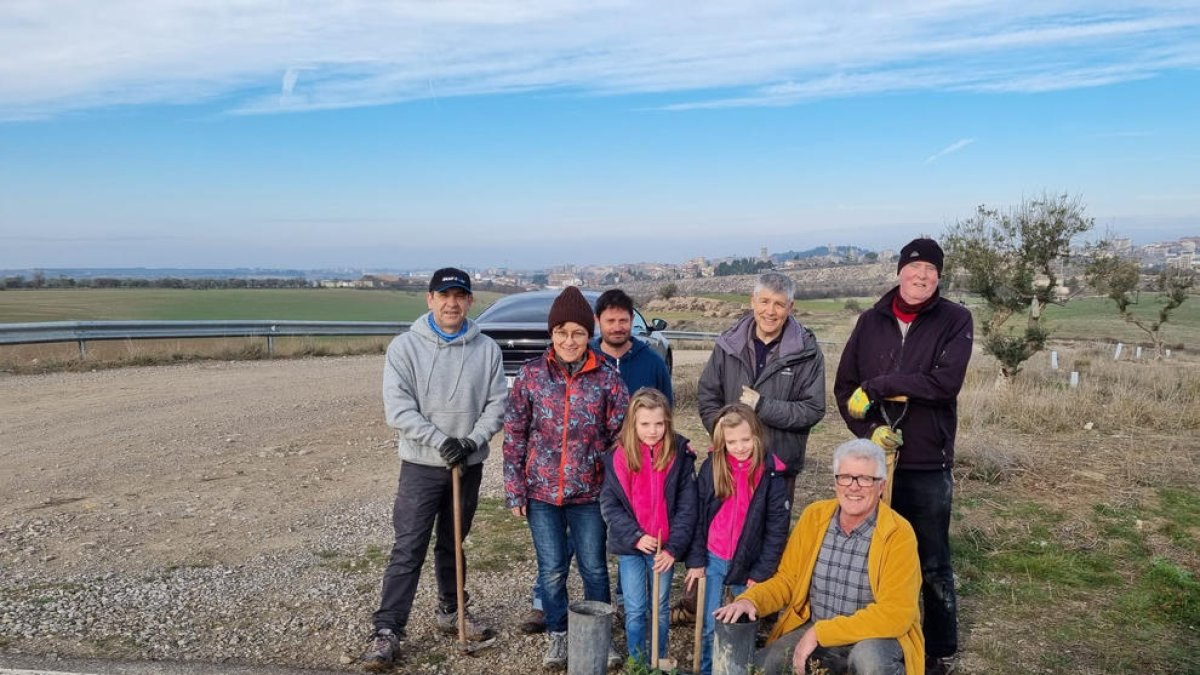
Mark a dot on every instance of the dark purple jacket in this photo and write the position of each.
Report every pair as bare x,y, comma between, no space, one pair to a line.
680,493
791,386
928,366
764,533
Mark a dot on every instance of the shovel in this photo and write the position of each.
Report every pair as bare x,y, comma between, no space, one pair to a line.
699,633
892,455
464,646
654,590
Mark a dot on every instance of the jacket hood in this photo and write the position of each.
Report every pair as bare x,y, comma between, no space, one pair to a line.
796,339
421,327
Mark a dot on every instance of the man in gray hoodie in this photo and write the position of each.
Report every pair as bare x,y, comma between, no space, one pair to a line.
444,393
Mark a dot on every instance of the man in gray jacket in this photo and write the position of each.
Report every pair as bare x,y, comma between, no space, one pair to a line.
444,393
773,364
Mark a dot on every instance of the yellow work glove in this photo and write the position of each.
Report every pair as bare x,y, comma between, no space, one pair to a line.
859,404
750,397
887,438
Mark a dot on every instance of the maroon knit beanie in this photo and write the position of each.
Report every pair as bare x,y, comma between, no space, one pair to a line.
570,305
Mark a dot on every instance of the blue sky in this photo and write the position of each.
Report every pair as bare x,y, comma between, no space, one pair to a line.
533,132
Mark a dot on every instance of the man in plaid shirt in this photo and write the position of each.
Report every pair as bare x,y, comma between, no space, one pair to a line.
847,586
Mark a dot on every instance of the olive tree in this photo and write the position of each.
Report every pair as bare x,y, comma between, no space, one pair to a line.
1120,280
1011,260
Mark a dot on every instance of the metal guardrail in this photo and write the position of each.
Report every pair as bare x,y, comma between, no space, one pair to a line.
84,331
688,335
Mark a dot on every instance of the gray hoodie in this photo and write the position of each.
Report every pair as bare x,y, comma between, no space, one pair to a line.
434,390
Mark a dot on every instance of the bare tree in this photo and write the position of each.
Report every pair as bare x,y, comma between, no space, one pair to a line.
1011,260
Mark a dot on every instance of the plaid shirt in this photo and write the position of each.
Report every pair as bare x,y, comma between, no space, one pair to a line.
840,586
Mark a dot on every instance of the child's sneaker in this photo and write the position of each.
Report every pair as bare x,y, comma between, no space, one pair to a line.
614,657
556,651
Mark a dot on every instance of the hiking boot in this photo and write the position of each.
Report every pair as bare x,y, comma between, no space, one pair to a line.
556,651
383,653
683,612
614,657
534,621
941,665
447,622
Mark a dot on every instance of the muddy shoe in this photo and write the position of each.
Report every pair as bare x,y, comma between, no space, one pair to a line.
683,612
383,653
939,666
447,622
534,621
556,651
614,657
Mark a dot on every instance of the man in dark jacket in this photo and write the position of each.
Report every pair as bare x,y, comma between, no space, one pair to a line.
773,364
640,366
913,343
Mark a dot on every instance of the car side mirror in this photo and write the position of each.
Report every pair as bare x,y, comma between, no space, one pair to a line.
657,324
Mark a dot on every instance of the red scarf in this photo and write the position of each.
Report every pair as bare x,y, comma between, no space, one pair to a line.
906,312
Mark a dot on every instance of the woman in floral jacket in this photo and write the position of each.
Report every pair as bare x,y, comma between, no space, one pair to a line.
564,412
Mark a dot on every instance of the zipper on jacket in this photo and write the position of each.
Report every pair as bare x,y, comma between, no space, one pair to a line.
562,461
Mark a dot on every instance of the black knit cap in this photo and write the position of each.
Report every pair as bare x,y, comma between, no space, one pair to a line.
925,250
570,305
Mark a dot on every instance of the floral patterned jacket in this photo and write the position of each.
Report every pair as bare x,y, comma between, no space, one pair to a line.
557,428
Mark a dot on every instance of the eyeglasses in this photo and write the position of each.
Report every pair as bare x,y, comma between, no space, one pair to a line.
845,479
563,336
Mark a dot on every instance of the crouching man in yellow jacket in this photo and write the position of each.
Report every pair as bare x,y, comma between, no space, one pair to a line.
846,589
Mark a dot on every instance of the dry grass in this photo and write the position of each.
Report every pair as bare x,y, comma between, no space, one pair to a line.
41,358
1112,395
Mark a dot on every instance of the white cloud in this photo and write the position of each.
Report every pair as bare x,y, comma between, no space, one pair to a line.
65,55
949,149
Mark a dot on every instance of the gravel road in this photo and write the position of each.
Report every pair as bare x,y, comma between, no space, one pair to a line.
220,511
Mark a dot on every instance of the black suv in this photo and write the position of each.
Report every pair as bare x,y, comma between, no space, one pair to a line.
518,324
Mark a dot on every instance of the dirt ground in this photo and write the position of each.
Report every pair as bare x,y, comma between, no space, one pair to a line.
238,510
146,477
207,462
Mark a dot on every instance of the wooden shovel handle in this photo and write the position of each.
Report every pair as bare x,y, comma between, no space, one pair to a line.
456,484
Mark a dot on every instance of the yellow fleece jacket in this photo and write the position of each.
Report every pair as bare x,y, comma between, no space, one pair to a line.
894,572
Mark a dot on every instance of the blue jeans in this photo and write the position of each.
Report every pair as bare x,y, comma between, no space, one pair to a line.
550,526
635,575
875,656
714,591
923,498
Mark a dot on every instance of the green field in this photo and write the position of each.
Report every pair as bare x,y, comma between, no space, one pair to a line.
1084,318
1094,318
295,304
1080,319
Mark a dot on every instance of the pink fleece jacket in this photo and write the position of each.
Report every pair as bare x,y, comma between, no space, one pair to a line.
726,526
646,490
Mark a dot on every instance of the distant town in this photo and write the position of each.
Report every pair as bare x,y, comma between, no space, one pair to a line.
1184,253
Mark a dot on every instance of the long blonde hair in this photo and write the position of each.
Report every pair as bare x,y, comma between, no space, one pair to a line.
647,398
729,417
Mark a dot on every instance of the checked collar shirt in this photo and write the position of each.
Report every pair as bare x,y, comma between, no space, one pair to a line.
840,586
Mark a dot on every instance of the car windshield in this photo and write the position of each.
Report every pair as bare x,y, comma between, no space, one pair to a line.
535,307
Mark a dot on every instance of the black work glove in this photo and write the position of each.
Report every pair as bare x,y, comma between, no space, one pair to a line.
453,451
